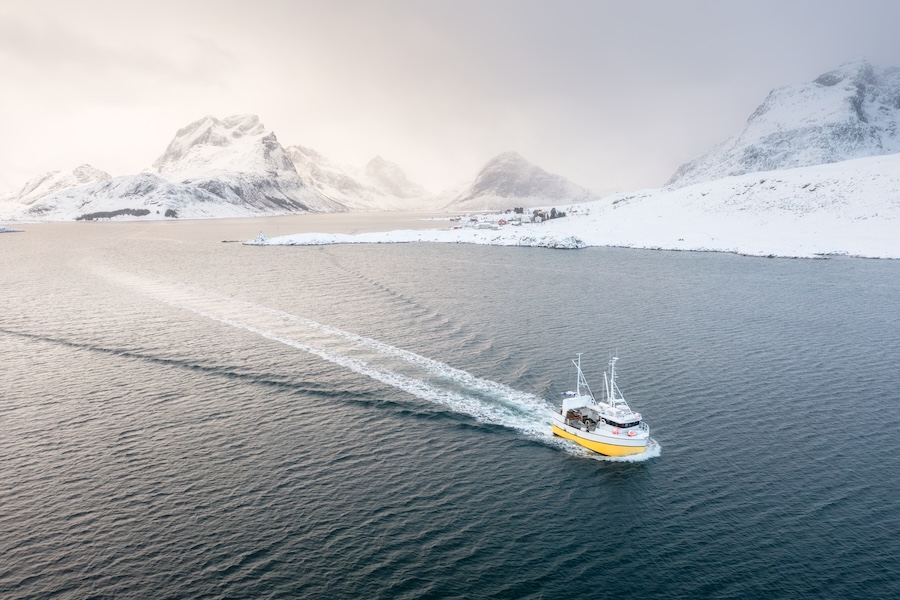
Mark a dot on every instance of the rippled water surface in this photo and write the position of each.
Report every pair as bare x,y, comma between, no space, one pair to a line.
186,418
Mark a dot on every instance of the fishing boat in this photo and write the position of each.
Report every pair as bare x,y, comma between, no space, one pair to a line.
607,426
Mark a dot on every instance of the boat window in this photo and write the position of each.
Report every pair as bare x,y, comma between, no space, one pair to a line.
622,425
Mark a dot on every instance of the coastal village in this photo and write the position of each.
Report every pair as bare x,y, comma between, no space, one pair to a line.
514,218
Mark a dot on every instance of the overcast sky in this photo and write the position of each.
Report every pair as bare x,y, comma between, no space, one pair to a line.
612,95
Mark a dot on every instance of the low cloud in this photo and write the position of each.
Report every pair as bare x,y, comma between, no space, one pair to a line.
44,52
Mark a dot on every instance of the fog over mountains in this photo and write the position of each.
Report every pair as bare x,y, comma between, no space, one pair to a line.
850,112
380,185
508,181
234,167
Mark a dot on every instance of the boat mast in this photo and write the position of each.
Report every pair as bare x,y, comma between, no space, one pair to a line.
578,377
581,380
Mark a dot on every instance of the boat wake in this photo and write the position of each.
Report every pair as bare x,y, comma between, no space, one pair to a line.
486,401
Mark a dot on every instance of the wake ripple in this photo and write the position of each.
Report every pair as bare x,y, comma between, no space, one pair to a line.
485,401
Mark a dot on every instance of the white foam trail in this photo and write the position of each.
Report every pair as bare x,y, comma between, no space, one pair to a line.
416,387
514,398
456,389
485,401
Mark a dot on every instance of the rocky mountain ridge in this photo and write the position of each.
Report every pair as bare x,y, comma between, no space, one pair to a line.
56,181
380,185
237,160
850,112
212,167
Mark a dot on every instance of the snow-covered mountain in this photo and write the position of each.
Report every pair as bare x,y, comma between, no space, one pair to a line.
235,167
237,160
510,181
328,178
850,207
145,196
56,181
227,167
851,112
381,185
212,168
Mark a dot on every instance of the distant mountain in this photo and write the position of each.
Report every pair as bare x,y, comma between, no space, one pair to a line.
851,112
389,179
237,160
212,168
328,178
509,181
381,185
234,167
56,181
145,195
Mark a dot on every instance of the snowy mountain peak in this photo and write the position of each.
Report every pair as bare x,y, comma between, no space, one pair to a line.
508,174
239,143
85,174
509,157
857,72
210,131
57,181
236,160
508,180
850,112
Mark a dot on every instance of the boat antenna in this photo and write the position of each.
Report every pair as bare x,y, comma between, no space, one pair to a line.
612,379
578,375
612,387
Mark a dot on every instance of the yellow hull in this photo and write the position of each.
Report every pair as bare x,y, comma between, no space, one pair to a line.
599,447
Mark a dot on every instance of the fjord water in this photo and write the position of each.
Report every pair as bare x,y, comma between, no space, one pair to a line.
183,418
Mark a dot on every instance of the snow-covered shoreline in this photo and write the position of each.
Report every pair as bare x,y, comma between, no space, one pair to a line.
532,238
850,208
560,240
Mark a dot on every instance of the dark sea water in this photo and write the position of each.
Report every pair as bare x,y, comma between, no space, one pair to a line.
183,418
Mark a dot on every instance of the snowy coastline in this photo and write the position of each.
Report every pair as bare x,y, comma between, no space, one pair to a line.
530,237
563,238
850,208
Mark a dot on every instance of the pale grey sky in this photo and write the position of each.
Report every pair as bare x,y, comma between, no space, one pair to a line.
613,95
